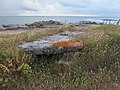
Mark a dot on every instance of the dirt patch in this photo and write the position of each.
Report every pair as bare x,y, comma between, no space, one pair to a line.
13,31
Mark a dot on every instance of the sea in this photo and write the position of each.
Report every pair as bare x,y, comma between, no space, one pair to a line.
64,19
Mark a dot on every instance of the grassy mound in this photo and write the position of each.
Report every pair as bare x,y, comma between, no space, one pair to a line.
94,67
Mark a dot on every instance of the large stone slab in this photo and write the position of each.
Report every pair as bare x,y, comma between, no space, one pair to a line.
55,44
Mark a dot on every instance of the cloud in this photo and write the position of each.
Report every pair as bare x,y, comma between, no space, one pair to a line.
30,5
60,7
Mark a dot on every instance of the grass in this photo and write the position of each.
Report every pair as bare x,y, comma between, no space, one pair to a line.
96,67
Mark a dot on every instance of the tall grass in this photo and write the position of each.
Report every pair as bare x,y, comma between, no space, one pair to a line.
11,58
96,67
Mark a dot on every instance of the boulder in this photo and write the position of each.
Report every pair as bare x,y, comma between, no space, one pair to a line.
55,44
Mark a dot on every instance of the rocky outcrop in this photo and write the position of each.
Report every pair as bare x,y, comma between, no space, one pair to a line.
40,24
43,24
52,22
55,44
36,25
14,27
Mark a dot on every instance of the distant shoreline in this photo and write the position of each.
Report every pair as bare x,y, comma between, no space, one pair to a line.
41,24
30,19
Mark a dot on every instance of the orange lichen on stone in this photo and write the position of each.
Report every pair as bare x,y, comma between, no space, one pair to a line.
69,43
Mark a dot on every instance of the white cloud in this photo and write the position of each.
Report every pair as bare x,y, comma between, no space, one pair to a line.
59,7
33,7
31,4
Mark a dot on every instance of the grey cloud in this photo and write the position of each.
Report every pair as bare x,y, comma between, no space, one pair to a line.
28,9
60,7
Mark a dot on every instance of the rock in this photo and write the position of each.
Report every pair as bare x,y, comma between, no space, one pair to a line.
57,37
14,27
93,22
56,44
36,25
67,33
51,22
42,24
2,28
61,62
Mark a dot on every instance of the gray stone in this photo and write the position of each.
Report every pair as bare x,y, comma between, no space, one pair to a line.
2,28
67,33
46,47
42,24
36,25
14,27
57,37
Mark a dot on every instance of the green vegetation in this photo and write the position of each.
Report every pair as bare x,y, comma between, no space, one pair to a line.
95,67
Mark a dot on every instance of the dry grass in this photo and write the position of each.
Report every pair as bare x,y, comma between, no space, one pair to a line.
96,67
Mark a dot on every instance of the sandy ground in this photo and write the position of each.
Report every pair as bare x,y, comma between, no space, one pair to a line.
13,31
79,28
23,30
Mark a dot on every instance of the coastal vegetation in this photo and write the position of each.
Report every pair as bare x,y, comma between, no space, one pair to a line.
96,66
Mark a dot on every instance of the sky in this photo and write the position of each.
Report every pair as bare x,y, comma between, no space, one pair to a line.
60,8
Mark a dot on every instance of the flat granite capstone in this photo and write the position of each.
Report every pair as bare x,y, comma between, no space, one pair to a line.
47,45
